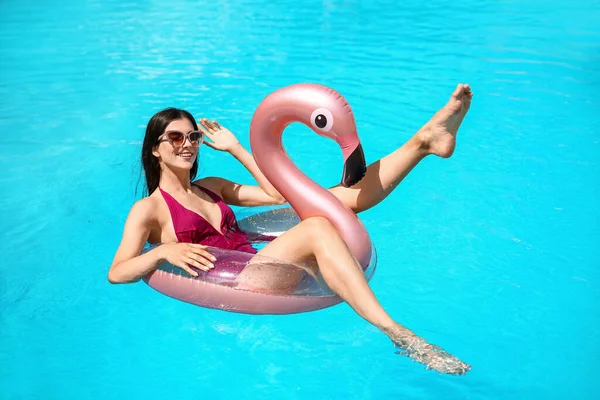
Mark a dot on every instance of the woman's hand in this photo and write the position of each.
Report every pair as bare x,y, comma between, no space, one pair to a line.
221,138
184,255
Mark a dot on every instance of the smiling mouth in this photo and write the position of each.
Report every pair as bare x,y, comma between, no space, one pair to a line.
185,155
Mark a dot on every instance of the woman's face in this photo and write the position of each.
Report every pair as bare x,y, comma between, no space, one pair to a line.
177,148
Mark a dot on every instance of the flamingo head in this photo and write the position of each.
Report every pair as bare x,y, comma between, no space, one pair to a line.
328,114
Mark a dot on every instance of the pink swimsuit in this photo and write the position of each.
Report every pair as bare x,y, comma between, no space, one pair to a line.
190,227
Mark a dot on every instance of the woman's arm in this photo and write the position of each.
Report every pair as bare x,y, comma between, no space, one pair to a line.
239,195
234,193
247,160
130,266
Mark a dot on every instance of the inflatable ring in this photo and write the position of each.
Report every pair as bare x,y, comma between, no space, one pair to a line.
328,114
219,288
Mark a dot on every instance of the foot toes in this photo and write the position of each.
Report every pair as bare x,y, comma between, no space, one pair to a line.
462,89
458,91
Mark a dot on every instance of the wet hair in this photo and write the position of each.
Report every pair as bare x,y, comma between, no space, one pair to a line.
156,127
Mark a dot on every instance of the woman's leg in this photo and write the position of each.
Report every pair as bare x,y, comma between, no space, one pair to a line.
437,136
317,238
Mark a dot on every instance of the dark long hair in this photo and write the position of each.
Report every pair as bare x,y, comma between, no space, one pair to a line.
156,127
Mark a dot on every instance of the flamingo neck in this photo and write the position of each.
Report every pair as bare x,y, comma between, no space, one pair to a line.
305,196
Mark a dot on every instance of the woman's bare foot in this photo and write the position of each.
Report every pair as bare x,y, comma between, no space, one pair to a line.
432,356
438,136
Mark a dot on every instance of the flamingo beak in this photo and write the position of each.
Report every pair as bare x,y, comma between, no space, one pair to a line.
355,167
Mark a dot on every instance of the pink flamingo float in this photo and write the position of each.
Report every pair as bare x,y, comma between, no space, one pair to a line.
328,114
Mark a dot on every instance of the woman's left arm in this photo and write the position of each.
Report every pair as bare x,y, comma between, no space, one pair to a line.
234,193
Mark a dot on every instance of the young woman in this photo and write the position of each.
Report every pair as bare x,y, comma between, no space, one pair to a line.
170,161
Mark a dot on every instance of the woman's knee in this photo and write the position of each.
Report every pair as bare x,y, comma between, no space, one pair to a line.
319,228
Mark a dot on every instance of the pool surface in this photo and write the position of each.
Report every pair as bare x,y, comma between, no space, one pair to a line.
492,254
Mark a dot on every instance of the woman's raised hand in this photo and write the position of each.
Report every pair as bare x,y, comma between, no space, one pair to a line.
221,138
184,255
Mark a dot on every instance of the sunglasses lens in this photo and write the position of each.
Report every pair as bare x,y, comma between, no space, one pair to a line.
176,138
195,137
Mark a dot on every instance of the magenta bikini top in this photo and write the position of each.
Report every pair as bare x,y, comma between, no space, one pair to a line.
191,227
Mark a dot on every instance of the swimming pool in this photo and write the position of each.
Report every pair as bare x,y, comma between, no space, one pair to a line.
492,254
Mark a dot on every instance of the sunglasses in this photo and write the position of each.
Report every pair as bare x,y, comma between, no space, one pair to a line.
177,138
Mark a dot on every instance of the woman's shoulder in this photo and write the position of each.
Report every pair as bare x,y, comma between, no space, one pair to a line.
145,209
212,183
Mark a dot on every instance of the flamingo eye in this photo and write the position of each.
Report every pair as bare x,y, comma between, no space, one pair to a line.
322,119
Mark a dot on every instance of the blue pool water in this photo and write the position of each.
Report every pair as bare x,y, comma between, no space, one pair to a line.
493,254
